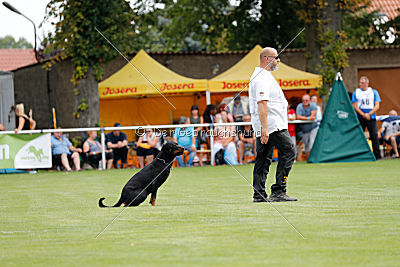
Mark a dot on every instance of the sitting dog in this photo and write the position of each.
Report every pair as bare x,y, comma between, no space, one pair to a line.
149,179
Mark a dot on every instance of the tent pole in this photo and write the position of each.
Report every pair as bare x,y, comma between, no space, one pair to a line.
103,149
208,97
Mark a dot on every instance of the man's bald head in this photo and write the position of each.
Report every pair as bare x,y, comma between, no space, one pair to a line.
269,58
267,51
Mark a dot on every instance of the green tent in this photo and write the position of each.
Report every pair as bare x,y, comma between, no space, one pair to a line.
340,137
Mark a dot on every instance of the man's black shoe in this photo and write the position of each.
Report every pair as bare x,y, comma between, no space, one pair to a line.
281,197
256,200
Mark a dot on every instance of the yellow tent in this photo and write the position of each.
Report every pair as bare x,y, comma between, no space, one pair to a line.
237,77
136,77
129,98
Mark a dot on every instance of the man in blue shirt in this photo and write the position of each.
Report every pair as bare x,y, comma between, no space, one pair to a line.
366,103
63,152
307,111
184,136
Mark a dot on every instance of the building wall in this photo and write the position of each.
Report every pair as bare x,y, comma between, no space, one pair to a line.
41,90
373,58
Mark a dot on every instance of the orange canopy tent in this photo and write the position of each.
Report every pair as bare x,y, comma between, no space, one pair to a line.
237,77
145,92
132,95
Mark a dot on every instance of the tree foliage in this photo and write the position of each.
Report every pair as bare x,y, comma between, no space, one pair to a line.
326,41
9,42
365,28
75,35
270,23
218,25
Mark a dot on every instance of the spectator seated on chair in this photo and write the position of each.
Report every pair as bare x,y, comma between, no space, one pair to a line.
224,140
185,137
92,149
247,139
238,108
64,152
116,140
196,118
307,111
391,132
148,146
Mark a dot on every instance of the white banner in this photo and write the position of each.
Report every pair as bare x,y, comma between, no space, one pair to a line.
25,151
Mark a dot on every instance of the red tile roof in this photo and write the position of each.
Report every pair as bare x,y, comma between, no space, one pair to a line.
11,59
389,7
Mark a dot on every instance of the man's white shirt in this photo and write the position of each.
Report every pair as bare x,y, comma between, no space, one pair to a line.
263,86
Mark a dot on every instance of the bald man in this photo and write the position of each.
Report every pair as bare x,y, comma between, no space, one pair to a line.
268,108
366,102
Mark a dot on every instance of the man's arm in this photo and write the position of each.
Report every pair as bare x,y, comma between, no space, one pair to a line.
125,141
262,108
358,110
312,116
74,149
375,109
380,131
111,145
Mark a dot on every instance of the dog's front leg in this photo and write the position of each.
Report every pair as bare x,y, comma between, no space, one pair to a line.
153,198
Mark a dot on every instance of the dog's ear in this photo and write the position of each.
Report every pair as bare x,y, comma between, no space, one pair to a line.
169,148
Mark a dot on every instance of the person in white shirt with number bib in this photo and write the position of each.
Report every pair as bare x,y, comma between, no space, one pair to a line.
366,103
268,108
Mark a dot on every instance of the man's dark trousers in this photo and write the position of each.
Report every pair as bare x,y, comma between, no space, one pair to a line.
373,134
287,154
120,154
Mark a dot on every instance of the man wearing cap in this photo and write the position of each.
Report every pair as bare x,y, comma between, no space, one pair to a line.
116,140
184,136
238,108
268,108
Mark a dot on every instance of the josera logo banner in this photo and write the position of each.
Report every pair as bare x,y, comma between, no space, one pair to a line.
25,151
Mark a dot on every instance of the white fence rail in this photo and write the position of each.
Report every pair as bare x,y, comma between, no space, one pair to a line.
122,128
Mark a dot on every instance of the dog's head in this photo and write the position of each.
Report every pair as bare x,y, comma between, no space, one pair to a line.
172,149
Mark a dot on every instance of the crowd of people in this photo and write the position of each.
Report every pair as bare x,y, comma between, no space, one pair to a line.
232,144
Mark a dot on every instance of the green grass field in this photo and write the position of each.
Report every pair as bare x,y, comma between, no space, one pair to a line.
349,214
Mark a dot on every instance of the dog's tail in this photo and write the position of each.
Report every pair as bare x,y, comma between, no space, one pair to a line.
101,205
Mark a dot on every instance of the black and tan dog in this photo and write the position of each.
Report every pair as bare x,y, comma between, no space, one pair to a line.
149,179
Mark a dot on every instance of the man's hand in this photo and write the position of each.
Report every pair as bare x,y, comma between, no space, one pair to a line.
367,116
192,148
78,150
264,136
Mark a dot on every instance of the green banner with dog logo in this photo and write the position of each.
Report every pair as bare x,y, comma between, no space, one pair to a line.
25,151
